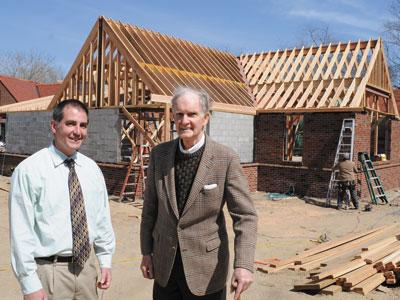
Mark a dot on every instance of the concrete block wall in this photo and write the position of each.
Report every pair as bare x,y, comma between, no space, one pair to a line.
28,132
235,131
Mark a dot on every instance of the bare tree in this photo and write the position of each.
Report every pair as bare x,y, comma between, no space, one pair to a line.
392,34
31,65
315,36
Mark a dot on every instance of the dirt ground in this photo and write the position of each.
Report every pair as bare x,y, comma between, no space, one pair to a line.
285,227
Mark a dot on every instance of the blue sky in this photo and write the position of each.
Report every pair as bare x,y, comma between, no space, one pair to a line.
60,27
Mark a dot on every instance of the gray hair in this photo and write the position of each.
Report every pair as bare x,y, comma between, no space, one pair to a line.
204,98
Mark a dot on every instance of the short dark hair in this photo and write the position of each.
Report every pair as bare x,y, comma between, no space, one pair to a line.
58,112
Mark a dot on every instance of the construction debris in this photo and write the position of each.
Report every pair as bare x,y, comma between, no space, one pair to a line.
354,263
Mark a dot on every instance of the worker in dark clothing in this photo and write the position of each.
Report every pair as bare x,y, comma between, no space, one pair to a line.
346,179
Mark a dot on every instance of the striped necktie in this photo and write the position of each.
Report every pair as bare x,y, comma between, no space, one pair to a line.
80,233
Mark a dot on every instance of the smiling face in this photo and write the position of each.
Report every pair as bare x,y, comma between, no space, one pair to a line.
71,131
189,119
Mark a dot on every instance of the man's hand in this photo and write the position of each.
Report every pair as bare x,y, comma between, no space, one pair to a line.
105,280
38,295
241,280
147,267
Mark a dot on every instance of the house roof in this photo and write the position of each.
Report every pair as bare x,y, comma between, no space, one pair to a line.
41,103
330,77
47,89
124,65
23,90
163,63
20,89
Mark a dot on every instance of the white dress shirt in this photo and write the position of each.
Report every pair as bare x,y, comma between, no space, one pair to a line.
39,208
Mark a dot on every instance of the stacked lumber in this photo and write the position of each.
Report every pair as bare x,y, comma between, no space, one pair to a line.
354,263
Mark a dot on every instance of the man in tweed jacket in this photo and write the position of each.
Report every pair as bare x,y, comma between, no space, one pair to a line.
183,234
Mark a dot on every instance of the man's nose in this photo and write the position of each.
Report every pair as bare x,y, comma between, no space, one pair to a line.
77,130
185,119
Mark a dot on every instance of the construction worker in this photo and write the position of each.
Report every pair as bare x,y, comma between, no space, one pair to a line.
346,179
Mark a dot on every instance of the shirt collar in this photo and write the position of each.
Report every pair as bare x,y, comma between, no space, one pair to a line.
193,149
58,157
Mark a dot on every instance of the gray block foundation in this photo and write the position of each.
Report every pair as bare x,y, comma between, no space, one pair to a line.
235,131
28,132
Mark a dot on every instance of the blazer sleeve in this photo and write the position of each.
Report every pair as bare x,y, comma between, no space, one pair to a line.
150,208
241,208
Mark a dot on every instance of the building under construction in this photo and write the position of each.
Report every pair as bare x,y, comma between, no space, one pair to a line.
282,111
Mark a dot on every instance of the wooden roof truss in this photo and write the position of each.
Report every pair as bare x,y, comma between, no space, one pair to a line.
325,78
123,65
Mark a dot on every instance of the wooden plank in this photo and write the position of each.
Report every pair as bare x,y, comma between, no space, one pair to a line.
261,69
138,126
369,284
332,244
293,69
314,285
380,244
353,278
318,74
331,290
375,257
326,94
340,270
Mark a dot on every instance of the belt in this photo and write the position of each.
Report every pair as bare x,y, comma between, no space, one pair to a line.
56,258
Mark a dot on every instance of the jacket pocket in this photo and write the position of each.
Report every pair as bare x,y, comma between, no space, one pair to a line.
213,244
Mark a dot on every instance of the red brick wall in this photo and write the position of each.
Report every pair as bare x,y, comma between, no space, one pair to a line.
114,174
389,171
5,96
321,135
251,172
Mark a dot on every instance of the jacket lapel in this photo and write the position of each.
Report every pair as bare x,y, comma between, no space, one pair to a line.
169,177
206,163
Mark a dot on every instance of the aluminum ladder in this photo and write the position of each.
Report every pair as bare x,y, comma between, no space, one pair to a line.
345,146
374,183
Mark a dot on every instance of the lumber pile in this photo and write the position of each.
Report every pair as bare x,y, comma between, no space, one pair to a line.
354,263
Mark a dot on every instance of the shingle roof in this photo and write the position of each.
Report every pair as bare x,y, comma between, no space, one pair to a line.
23,90
47,89
20,89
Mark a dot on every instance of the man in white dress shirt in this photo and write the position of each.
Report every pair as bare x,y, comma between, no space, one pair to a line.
60,216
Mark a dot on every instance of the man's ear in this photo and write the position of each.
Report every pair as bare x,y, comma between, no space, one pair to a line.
53,126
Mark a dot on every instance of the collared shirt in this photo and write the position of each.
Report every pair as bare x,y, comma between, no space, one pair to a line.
39,208
193,149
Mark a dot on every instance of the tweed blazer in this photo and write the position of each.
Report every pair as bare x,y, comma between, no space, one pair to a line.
200,232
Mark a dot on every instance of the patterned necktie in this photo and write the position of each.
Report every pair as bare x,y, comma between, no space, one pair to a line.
80,234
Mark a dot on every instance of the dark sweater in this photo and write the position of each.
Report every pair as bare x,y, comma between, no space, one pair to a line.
186,166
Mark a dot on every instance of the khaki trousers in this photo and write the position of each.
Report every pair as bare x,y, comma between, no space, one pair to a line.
65,281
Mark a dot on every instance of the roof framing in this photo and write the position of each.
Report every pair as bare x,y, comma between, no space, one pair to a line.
328,78
123,65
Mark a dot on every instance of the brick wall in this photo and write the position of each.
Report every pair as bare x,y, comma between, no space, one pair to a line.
114,174
251,172
321,135
5,96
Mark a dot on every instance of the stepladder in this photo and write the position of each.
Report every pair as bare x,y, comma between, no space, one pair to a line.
345,146
135,178
374,183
